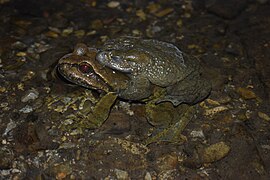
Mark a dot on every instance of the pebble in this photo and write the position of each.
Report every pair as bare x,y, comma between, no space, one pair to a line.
26,109
167,162
120,174
215,152
67,31
67,145
51,34
20,54
264,116
140,13
197,134
11,125
246,93
113,4
164,12
31,94
147,176
215,110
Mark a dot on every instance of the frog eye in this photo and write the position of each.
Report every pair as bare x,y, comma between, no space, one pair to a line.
85,68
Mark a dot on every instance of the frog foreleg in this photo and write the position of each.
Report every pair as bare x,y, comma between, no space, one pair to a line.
138,88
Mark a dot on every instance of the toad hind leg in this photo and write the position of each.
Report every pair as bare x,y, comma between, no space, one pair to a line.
187,91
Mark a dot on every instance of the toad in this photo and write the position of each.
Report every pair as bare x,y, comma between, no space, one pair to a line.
149,63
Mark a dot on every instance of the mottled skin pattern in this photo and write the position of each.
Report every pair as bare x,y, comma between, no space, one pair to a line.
151,63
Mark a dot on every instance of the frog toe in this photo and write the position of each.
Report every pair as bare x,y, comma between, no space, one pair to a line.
175,100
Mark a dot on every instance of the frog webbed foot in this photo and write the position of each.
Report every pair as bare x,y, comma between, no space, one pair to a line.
171,131
173,99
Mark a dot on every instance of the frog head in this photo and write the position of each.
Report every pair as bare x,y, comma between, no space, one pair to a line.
81,68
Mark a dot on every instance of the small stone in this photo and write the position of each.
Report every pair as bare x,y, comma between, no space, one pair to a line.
215,110
213,102
68,122
164,12
264,116
21,54
179,23
167,162
51,34
120,174
67,31
215,152
2,89
147,176
79,33
19,45
197,134
29,75
90,33
30,95
246,93
153,7
26,109
113,4
136,32
62,170
67,145
140,13
11,125
96,24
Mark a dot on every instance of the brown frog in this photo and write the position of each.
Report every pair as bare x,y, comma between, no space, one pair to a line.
151,63
81,68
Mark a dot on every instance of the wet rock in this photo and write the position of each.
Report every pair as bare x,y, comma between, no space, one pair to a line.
19,46
113,4
228,9
167,162
11,125
246,93
197,134
264,116
61,171
26,109
120,174
212,111
31,94
215,152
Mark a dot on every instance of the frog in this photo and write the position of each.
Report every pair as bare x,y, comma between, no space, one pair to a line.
81,68
152,63
131,80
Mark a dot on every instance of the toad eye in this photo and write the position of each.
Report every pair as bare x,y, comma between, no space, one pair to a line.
115,58
85,68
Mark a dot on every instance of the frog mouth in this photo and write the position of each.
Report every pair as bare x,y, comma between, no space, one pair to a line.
58,74
71,75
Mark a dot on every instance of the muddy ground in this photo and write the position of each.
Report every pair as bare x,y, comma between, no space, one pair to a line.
228,137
